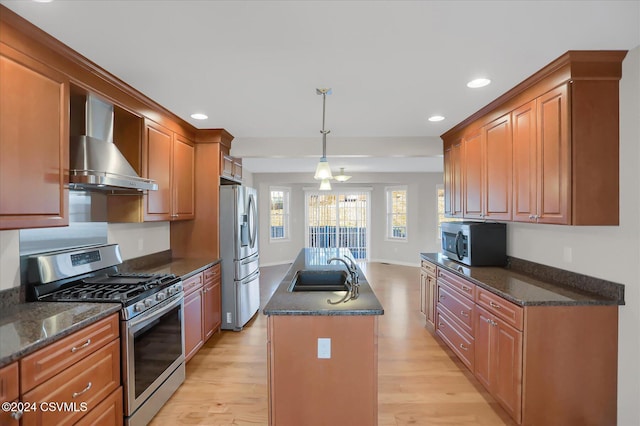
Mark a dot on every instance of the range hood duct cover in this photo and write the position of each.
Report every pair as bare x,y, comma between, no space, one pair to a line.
95,163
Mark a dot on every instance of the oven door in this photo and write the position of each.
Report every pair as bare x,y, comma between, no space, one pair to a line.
153,348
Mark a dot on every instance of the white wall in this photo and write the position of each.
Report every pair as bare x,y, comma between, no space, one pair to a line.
9,259
611,253
422,218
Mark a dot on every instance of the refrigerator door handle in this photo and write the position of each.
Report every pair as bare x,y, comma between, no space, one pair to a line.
250,259
254,220
250,278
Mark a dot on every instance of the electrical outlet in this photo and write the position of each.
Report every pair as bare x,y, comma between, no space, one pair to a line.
140,244
324,348
229,317
567,255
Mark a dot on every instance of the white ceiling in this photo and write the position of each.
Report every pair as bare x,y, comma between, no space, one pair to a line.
253,66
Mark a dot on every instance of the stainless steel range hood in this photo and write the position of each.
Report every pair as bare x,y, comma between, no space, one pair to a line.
95,163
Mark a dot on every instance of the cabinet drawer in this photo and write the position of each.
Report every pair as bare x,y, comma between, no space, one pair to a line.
460,284
429,267
9,382
108,413
49,361
459,307
456,338
511,313
212,273
86,384
193,283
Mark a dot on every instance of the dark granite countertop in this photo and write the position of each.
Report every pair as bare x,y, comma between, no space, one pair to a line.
284,302
528,290
183,268
27,327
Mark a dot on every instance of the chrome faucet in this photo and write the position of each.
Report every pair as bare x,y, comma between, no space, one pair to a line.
352,283
351,267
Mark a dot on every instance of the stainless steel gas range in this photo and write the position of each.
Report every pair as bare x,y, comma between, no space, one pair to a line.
151,318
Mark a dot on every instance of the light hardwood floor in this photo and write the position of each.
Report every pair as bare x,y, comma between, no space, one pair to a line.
420,382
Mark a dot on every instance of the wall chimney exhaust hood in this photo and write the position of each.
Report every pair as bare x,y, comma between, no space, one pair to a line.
95,163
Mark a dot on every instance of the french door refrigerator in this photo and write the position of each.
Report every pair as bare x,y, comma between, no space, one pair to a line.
239,253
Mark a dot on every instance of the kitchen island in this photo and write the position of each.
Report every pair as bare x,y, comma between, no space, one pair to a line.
322,357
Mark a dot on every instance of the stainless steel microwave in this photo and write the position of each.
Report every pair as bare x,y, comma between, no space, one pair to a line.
475,243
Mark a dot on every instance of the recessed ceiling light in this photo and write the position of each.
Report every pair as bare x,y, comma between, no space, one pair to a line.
43,1
199,116
436,118
478,82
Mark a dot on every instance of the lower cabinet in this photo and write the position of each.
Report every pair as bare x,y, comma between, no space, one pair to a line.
9,392
202,309
545,365
78,380
428,289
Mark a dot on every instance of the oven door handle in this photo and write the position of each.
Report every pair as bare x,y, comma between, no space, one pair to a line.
154,313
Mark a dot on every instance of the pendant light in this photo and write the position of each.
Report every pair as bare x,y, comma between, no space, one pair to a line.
323,171
325,185
342,177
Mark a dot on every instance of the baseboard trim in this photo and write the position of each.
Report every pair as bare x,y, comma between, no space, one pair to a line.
395,262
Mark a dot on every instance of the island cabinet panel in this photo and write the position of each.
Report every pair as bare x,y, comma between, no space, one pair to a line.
525,163
428,290
340,390
34,140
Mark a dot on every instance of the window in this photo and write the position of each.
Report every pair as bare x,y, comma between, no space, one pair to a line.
397,213
279,214
441,217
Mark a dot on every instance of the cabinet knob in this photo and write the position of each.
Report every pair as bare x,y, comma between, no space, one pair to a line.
464,314
16,415
463,347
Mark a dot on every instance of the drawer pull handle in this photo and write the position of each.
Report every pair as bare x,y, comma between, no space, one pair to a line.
440,325
77,394
84,345
442,297
464,314
490,321
494,305
463,347
465,288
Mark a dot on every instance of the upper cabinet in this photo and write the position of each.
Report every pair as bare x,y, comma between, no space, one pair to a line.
453,178
169,159
34,139
547,151
230,167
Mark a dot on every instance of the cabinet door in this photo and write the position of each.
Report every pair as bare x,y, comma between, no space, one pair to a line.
483,356
158,167
193,333
525,185
554,168
431,302
183,179
497,169
423,292
473,176
237,169
453,180
506,384
226,165
212,309
34,140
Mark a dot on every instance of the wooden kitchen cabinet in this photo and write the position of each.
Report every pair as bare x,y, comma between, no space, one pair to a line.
544,364
230,167
212,301
82,368
339,390
428,290
563,142
453,179
9,391
34,140
498,360
193,315
169,159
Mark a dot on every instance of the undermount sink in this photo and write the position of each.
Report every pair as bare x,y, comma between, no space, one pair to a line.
319,280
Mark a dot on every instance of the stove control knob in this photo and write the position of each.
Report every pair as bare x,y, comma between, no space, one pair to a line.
160,296
171,291
147,302
138,307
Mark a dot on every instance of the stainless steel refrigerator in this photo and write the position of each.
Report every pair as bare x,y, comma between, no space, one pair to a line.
239,253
